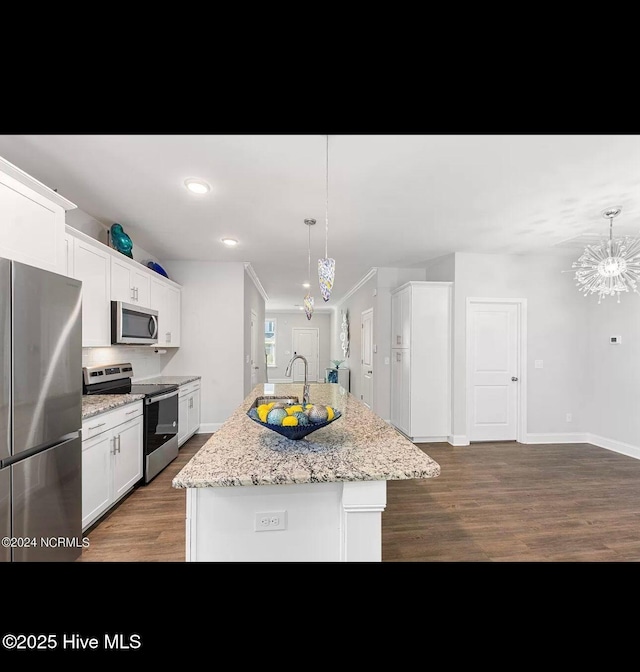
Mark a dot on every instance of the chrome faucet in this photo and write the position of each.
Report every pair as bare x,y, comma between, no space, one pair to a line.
305,389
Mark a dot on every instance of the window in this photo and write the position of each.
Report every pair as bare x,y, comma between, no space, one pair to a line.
270,342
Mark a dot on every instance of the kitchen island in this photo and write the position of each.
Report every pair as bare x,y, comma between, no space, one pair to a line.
254,495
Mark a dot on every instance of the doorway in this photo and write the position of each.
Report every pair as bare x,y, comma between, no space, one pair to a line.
306,343
366,360
496,369
255,366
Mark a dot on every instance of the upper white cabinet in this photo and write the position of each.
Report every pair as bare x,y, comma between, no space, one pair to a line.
92,266
107,276
32,220
421,360
130,284
166,300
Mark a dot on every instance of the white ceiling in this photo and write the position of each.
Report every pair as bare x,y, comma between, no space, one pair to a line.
394,200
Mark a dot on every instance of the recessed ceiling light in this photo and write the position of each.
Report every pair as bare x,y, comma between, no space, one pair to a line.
197,186
306,284
230,242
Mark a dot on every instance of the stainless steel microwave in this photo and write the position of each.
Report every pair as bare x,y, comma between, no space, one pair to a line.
131,324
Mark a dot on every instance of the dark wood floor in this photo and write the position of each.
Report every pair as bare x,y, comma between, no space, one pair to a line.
503,502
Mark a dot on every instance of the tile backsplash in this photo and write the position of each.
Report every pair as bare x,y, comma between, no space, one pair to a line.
146,363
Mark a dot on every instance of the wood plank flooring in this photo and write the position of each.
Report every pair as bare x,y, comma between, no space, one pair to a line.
493,502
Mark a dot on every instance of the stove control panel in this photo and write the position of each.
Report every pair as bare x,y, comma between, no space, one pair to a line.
108,372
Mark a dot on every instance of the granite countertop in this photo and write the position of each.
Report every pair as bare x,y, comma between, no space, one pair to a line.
359,446
94,404
169,380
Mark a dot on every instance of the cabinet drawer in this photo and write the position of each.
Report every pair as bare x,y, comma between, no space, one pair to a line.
188,388
103,422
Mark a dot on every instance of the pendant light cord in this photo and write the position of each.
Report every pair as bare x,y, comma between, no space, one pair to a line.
309,264
326,217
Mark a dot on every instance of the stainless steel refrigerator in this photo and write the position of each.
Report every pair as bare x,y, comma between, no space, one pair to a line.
40,415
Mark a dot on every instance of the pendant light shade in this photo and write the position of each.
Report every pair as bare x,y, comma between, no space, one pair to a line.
326,266
308,306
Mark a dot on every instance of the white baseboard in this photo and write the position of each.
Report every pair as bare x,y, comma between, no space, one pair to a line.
616,446
429,439
559,437
458,440
280,380
209,427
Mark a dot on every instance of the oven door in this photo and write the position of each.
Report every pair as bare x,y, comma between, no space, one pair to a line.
131,324
160,433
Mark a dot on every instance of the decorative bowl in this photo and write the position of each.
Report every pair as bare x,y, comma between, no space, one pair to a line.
293,432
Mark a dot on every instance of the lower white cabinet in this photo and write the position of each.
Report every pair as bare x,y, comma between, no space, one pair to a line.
188,411
111,459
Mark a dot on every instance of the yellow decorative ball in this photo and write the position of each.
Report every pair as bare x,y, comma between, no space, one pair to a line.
308,406
263,411
290,421
330,413
294,409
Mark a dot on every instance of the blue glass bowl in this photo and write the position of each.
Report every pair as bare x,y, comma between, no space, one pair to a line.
295,432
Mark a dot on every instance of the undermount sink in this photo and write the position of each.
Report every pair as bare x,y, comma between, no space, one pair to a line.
267,400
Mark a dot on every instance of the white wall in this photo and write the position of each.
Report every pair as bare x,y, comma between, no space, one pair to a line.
211,339
253,300
441,269
285,323
613,371
557,334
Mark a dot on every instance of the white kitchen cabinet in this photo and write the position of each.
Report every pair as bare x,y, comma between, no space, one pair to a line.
166,300
92,266
32,220
421,360
130,284
188,411
112,459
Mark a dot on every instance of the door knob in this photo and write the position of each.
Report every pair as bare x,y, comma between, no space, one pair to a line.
514,379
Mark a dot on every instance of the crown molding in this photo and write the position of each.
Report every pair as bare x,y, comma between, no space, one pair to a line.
372,271
256,281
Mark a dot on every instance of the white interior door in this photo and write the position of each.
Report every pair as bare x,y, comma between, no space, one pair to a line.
305,343
366,361
255,362
494,371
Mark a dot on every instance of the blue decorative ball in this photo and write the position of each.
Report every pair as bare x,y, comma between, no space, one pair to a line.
253,413
302,418
276,416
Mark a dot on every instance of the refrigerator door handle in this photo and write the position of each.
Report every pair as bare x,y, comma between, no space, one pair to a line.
30,452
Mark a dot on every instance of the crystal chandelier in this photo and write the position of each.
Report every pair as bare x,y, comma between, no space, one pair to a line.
611,267
308,299
326,266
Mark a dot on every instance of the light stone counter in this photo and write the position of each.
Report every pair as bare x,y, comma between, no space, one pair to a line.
319,499
359,446
169,380
94,404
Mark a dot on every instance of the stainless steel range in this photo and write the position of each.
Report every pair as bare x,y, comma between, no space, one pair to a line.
160,411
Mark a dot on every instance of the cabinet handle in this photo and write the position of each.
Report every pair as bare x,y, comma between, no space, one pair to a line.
135,410
167,337
133,293
96,426
136,291
113,452
118,437
398,340
398,356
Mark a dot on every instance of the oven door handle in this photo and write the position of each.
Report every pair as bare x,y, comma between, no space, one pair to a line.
153,400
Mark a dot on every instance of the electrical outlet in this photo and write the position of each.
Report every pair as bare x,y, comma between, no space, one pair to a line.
569,417
268,521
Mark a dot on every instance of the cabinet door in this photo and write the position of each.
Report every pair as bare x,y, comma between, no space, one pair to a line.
158,301
121,285
173,308
405,318
68,255
142,288
93,267
32,227
194,412
96,476
127,462
183,418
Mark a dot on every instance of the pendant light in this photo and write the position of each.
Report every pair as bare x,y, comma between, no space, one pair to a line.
308,299
326,266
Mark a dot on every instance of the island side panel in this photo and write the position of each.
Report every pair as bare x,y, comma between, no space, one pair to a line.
221,523
325,522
